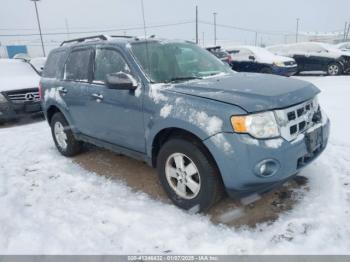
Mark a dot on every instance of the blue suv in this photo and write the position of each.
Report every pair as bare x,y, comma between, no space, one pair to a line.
207,129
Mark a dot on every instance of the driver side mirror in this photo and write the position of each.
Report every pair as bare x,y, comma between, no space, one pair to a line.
251,57
121,81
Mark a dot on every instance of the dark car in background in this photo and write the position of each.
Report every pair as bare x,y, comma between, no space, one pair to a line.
316,57
19,92
259,60
220,53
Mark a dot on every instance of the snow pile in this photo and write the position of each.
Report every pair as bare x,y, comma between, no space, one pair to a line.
46,203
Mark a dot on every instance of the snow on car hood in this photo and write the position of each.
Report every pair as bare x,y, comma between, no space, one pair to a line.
21,82
17,74
252,92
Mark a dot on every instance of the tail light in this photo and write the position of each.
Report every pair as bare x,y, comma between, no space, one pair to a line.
40,91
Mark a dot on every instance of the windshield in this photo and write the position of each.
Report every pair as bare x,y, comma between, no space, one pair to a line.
167,62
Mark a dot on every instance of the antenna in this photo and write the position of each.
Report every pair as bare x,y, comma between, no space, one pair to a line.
144,29
143,18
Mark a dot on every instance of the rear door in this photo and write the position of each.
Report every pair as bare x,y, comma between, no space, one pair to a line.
76,78
116,115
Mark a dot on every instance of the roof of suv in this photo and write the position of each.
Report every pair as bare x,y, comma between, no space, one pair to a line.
116,39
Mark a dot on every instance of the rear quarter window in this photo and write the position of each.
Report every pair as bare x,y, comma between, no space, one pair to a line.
54,64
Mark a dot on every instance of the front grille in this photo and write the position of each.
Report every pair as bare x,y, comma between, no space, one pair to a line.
23,96
296,119
289,63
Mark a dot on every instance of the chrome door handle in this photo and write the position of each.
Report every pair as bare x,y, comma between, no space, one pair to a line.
62,90
98,97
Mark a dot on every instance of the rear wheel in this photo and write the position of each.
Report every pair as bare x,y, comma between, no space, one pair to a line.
63,136
189,175
334,69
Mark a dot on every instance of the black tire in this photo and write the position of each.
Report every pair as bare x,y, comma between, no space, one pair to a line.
334,69
266,70
211,186
73,146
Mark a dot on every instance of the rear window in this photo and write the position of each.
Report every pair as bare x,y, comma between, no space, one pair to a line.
77,66
54,64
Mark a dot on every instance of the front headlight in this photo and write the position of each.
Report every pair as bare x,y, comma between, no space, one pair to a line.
2,99
280,64
261,125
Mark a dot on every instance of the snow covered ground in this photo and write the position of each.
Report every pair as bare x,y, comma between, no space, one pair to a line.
50,205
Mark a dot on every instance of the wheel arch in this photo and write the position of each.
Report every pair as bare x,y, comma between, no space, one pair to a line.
166,134
51,111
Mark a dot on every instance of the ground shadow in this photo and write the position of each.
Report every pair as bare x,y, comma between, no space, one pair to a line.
141,177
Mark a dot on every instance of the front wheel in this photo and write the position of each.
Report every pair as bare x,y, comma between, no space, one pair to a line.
63,136
334,69
189,175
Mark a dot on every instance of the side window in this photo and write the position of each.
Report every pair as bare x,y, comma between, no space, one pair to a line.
53,66
77,66
108,61
241,54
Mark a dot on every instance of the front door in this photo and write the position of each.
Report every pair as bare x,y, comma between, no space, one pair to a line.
116,114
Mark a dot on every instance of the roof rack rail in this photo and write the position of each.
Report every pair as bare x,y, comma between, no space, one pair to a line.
82,39
122,36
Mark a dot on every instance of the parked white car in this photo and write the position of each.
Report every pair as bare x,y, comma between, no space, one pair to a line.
260,60
19,93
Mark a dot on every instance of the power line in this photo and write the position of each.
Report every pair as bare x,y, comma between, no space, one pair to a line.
100,31
244,29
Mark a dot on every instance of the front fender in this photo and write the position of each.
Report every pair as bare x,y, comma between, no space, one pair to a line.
201,117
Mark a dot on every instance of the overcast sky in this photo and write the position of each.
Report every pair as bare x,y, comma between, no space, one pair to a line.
272,18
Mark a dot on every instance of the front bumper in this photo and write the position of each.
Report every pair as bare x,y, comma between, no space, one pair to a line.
237,156
285,71
13,111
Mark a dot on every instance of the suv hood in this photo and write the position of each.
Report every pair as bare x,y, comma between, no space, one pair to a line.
252,92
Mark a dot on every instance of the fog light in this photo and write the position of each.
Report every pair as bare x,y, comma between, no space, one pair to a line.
266,168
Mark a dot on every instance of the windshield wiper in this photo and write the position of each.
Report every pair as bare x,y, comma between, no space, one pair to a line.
184,78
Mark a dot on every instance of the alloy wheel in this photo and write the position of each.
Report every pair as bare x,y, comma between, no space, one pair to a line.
182,175
333,70
60,135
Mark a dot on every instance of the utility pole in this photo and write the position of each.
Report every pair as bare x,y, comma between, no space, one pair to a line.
256,38
347,34
345,29
297,31
67,28
196,24
203,39
37,17
214,28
